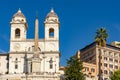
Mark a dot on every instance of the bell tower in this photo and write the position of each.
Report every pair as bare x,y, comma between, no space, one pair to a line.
18,31
18,27
52,26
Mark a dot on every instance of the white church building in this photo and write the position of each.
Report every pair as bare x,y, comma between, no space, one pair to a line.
32,59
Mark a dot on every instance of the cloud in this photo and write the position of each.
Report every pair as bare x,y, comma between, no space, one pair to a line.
2,51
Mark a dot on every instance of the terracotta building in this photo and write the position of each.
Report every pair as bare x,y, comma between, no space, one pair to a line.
109,60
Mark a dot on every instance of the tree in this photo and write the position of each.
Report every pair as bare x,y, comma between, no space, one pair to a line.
73,71
115,75
100,39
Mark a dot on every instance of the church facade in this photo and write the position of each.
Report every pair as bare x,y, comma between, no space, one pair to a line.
32,59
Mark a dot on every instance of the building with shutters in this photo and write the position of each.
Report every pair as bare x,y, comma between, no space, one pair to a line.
109,60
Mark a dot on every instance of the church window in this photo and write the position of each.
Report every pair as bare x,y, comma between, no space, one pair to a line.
51,63
17,33
51,66
16,59
16,66
51,32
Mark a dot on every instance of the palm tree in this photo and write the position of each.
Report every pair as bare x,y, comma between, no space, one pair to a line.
100,39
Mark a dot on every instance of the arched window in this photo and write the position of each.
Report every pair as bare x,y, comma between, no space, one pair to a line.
17,33
51,32
16,66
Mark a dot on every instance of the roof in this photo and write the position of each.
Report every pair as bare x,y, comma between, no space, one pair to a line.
114,47
88,46
19,14
51,14
94,44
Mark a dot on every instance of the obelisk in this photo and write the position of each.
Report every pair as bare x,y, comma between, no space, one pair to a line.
36,61
36,53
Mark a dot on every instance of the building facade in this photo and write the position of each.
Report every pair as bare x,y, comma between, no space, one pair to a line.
32,59
109,60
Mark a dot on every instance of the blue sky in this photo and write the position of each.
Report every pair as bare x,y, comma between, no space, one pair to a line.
79,20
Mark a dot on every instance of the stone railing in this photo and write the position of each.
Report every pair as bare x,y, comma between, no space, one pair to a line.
31,75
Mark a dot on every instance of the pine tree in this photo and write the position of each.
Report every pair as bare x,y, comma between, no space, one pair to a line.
115,75
73,70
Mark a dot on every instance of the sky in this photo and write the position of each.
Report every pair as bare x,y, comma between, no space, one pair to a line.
79,20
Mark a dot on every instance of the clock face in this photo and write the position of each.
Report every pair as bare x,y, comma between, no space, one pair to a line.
16,46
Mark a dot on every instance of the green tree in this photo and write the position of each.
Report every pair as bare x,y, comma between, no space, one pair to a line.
73,71
100,39
115,75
